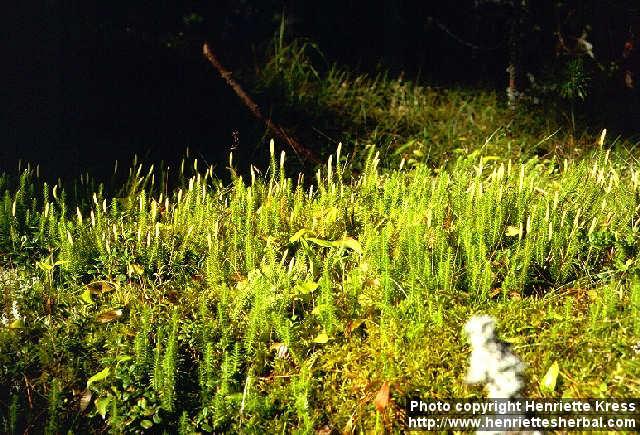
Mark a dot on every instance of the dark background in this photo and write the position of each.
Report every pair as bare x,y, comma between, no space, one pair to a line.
86,83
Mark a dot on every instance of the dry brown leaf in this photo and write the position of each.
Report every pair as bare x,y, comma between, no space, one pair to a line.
237,277
515,295
326,430
99,287
109,316
353,325
348,427
382,398
172,296
85,400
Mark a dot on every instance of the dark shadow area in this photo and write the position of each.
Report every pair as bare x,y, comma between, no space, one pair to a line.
88,84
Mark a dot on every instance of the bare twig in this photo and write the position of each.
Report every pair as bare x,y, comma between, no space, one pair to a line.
281,133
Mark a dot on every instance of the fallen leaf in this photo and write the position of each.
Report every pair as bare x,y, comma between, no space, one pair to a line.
548,382
515,295
306,287
101,405
322,338
237,277
86,296
513,231
374,283
495,292
85,400
382,398
326,430
109,316
349,242
135,269
283,352
16,324
353,325
275,346
320,242
298,235
172,296
348,427
102,374
100,287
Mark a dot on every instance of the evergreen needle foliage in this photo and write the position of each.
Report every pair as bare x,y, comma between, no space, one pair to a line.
270,305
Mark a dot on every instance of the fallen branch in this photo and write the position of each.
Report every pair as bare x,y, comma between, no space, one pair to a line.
302,152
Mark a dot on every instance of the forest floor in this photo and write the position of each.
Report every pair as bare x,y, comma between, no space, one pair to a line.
277,304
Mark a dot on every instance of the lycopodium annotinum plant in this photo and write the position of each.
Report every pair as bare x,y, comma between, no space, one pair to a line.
276,303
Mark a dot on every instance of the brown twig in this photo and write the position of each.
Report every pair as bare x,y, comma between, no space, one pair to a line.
280,132
29,386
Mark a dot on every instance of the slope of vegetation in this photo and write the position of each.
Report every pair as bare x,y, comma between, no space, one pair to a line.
326,104
269,306
276,304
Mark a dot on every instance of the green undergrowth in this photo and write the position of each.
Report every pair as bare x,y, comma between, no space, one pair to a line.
325,104
284,305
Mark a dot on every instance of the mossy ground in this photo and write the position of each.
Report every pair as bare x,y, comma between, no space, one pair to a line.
278,304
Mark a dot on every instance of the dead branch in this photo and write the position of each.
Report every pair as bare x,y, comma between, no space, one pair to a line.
280,132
